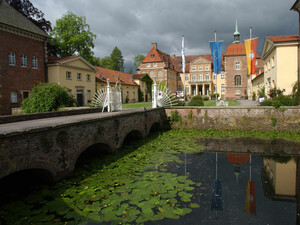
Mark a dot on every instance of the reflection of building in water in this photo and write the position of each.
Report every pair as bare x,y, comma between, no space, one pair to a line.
282,177
237,160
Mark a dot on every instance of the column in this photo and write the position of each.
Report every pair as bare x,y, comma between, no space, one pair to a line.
197,89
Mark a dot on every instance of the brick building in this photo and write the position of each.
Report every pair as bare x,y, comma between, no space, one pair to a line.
22,57
236,73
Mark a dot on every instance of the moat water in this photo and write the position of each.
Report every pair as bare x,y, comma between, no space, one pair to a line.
166,179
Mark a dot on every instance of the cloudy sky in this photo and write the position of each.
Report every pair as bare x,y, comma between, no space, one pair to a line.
132,25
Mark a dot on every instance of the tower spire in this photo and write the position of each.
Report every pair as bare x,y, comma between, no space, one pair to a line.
236,34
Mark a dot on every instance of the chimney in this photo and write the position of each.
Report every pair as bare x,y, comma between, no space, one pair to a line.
154,45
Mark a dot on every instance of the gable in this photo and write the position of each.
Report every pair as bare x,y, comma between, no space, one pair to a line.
200,60
78,63
267,47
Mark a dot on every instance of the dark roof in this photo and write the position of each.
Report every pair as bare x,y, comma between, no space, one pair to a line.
10,16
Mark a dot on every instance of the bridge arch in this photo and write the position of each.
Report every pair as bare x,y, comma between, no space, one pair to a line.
94,150
154,127
131,136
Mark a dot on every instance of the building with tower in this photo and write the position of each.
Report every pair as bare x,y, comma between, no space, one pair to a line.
199,77
236,73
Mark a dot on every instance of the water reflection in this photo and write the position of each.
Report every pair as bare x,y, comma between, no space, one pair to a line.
237,174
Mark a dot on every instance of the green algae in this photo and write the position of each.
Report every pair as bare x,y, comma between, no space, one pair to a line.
132,186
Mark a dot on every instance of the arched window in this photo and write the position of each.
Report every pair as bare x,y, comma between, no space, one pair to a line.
152,74
237,80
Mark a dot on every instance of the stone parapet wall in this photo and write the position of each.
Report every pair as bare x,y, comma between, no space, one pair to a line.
237,118
34,116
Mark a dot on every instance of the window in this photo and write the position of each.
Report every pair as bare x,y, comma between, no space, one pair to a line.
68,75
193,67
155,64
200,68
206,67
273,64
152,55
206,76
78,76
193,77
14,97
25,94
237,66
187,89
88,77
186,77
160,73
269,82
34,62
238,92
88,95
223,88
215,88
266,68
215,76
12,58
237,80
200,77
148,64
269,67
23,60
222,76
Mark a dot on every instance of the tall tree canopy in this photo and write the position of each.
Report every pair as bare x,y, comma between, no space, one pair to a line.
137,60
72,35
117,60
33,14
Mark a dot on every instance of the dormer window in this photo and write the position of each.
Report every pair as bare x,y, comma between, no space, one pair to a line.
152,55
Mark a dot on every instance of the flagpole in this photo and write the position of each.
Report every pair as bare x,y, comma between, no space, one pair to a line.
183,65
216,76
250,92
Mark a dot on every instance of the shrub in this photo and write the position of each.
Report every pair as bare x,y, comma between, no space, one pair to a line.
180,103
213,96
205,98
267,102
261,92
282,100
47,97
196,101
175,117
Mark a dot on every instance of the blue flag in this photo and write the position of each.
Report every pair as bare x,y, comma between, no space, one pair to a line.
216,52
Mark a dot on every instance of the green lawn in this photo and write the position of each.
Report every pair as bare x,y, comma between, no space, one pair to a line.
213,103
137,105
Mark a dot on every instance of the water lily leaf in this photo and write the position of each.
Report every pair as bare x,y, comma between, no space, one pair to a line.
194,205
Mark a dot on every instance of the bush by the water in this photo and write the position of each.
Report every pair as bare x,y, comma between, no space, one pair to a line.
205,98
196,101
47,97
281,100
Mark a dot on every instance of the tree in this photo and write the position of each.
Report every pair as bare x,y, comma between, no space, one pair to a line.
130,71
105,62
72,35
117,61
137,60
47,97
33,14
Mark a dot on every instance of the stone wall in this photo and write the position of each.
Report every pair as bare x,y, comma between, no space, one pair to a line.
237,118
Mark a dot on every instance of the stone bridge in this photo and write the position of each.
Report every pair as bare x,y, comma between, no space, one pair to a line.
55,144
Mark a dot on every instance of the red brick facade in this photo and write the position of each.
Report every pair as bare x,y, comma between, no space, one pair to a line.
15,78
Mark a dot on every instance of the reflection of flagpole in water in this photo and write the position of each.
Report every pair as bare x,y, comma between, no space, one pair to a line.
250,206
185,164
216,203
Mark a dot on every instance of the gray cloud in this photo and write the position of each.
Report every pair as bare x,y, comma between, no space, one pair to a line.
132,25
